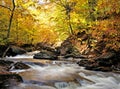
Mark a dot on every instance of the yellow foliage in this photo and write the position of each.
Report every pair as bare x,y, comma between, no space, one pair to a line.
46,35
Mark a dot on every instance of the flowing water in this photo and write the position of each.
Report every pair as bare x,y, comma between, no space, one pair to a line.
45,74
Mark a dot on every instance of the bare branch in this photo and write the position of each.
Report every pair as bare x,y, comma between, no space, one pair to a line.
6,7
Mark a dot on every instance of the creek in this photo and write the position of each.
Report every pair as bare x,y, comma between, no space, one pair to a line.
59,74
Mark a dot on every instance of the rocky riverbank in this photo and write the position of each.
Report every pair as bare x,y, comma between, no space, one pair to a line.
94,56
109,61
7,78
98,57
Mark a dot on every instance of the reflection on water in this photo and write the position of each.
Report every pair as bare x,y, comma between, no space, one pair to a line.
46,74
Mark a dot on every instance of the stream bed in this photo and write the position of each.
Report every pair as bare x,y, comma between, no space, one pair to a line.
46,74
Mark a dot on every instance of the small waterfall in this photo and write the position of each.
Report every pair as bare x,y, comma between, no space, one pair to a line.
27,55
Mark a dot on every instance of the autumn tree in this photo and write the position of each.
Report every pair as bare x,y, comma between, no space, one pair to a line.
33,21
68,7
8,6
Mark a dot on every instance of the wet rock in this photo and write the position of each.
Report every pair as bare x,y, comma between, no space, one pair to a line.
45,46
108,61
68,48
84,63
101,68
9,65
45,55
9,80
20,65
14,50
74,56
65,48
100,46
28,47
3,70
10,50
5,63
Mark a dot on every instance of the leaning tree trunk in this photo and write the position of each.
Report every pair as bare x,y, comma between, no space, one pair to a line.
5,52
11,18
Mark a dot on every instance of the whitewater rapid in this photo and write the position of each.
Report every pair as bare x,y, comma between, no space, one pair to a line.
62,75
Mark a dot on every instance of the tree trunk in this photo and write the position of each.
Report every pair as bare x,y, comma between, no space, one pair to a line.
68,9
5,52
11,18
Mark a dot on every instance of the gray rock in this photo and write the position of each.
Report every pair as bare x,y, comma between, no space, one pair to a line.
9,80
45,55
20,65
14,50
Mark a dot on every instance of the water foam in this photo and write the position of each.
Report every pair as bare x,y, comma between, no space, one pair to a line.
62,75
27,55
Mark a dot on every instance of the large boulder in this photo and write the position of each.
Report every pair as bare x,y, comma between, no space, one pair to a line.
65,48
89,65
5,64
28,47
11,50
9,80
44,46
108,61
45,55
14,50
69,51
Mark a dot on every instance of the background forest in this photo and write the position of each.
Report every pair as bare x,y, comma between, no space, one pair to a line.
51,44
51,21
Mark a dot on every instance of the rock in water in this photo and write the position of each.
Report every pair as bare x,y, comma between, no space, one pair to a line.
5,63
14,50
108,61
9,80
45,55
20,65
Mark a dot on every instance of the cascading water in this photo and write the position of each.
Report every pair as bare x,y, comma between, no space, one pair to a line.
27,55
45,74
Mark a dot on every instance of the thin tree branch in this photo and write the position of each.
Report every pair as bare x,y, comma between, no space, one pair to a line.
6,7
